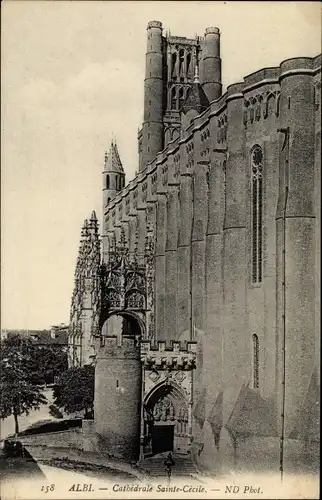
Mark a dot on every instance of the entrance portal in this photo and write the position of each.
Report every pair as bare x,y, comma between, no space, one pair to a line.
166,421
162,438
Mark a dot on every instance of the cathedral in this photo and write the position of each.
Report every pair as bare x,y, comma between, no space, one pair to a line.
199,304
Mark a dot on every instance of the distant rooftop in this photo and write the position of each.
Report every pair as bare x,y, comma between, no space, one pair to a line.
58,335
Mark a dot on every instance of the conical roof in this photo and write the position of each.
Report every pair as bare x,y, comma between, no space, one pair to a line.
112,160
196,98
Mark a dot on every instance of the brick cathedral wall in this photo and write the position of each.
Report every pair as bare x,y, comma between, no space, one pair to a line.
297,110
171,264
184,258
160,287
227,308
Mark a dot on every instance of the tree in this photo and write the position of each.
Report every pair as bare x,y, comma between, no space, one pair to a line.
74,390
19,392
50,362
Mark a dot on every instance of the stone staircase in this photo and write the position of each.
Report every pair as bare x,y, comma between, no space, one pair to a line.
154,466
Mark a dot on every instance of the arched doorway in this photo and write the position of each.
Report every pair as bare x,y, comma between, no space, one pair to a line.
166,420
128,323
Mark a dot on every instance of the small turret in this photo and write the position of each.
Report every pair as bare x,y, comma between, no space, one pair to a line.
152,131
211,60
113,175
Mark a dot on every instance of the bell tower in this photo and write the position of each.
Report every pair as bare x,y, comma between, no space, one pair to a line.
182,59
113,175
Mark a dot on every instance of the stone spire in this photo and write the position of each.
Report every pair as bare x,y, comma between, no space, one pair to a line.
112,161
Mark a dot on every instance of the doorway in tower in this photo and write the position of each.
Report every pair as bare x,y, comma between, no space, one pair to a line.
166,421
162,438
121,323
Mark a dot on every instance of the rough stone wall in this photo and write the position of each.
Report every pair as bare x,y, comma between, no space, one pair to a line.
65,439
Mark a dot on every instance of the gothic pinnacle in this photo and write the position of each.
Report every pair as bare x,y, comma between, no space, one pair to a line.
93,216
196,77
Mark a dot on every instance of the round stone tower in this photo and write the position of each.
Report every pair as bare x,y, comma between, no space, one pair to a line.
211,63
152,139
118,396
295,236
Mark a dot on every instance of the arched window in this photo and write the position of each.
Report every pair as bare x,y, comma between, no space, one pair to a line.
181,98
255,362
173,98
181,60
188,62
257,213
173,63
107,182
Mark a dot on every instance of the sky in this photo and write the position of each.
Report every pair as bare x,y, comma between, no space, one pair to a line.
72,77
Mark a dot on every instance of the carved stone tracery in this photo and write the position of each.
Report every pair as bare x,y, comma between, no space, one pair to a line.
127,282
150,282
86,291
123,279
258,106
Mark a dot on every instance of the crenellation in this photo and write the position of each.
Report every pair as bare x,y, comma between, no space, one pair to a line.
175,347
116,346
178,355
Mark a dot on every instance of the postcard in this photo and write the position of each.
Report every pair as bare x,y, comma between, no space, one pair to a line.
160,250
